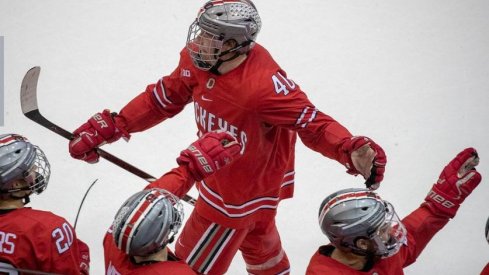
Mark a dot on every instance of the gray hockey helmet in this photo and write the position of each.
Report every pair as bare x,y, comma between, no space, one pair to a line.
147,222
218,22
350,214
20,159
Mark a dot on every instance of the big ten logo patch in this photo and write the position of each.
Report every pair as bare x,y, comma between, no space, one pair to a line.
185,73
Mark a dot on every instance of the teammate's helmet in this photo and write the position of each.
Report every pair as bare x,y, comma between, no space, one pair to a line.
20,159
218,22
147,222
351,214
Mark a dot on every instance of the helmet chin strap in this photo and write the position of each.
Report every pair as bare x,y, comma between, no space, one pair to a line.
25,199
215,69
370,256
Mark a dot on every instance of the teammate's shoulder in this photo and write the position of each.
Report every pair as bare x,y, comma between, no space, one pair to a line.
261,58
33,223
261,50
185,59
46,218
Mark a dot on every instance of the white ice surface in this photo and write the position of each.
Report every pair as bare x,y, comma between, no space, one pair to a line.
413,75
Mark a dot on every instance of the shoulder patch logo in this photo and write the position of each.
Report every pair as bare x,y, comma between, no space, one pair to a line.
185,73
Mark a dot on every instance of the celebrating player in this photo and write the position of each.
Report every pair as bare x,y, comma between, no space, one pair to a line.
33,240
235,86
150,219
366,234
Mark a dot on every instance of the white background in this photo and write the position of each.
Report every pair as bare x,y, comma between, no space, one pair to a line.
413,75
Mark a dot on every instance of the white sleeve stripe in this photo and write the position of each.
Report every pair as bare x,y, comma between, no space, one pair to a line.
155,93
302,115
313,116
163,91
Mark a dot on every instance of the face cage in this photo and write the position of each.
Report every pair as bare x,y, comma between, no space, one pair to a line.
37,177
178,214
203,47
177,219
391,235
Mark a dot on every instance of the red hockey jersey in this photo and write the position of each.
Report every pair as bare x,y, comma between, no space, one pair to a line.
263,109
485,271
118,263
421,226
38,240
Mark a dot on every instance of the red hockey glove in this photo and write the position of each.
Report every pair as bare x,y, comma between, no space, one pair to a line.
84,258
365,157
457,180
98,130
209,153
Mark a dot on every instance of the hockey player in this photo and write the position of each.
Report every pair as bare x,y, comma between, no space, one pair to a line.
366,234
144,225
33,240
235,85
150,219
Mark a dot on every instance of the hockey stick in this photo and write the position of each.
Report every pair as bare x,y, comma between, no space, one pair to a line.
83,200
28,101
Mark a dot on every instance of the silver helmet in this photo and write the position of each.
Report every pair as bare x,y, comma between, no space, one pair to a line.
147,222
350,214
218,22
21,160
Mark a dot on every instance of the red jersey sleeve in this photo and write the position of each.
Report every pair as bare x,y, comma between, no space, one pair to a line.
84,256
178,181
421,226
161,100
284,104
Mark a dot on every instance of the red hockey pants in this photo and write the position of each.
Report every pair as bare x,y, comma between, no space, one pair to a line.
209,248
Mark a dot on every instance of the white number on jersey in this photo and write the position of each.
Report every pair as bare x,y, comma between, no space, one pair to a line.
282,84
7,244
63,236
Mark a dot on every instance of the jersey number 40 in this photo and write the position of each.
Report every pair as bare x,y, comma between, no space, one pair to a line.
282,84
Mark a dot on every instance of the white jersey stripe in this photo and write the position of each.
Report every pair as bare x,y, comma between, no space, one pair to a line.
199,243
219,251
155,93
273,199
216,201
163,92
304,111
242,214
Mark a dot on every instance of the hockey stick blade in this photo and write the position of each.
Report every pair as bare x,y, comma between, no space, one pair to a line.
30,108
